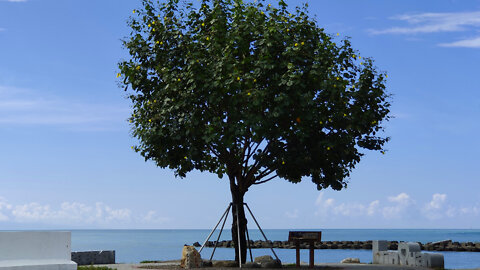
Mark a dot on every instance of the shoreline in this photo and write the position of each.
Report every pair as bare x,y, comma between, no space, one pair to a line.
446,245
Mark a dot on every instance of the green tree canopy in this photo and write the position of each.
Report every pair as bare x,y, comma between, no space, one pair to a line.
251,91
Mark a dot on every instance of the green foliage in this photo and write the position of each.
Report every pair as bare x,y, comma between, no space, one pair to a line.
250,90
150,261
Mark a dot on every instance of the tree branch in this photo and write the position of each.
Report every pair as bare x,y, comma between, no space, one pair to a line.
258,160
264,181
246,151
264,173
255,167
248,157
254,150
213,150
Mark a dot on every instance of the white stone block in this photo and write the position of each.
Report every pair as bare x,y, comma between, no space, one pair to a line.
49,250
435,260
408,254
379,245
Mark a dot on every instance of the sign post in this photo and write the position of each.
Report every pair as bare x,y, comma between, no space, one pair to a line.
305,237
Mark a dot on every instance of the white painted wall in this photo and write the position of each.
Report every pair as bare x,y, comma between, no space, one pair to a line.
43,250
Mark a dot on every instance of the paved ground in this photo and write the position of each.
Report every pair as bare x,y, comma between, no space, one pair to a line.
326,266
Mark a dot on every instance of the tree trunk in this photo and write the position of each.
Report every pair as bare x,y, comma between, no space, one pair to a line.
237,199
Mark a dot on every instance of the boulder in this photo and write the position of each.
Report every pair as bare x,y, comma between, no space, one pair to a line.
350,260
262,259
222,264
251,265
268,262
190,258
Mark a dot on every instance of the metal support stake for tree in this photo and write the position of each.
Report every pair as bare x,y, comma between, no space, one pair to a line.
225,213
220,233
224,217
248,243
260,229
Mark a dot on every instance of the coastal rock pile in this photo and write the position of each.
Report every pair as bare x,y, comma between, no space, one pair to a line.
446,245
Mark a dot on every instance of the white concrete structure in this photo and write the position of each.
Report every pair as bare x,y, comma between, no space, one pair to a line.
49,250
408,253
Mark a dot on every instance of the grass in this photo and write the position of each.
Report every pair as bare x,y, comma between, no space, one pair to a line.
161,261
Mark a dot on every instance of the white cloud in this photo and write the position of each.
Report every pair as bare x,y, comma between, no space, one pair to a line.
437,201
401,204
400,207
434,23
323,206
396,207
4,206
402,199
76,214
425,23
373,207
27,107
328,206
466,43
438,208
474,210
435,208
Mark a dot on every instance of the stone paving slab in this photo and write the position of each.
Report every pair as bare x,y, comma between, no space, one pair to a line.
325,266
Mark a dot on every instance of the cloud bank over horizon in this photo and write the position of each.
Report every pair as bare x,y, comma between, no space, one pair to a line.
77,215
401,208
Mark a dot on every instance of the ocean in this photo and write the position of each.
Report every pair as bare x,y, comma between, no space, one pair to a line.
133,246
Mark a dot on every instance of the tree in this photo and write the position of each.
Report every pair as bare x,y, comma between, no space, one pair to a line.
250,91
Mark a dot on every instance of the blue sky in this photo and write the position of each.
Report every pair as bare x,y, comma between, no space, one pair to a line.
66,161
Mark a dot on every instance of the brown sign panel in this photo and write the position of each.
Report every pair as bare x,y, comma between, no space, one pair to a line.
304,236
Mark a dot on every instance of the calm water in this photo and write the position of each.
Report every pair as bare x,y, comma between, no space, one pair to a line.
137,245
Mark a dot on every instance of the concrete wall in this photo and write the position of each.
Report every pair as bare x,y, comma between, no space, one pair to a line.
94,257
36,250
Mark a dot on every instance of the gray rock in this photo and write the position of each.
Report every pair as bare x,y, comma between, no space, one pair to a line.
350,260
268,262
262,259
220,264
251,265
274,264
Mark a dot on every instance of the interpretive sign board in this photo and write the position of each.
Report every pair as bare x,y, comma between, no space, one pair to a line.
305,237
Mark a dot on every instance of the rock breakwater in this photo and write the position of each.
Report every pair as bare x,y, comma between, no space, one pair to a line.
446,245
